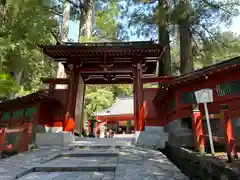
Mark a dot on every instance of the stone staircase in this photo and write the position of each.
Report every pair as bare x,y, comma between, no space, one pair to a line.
94,162
90,159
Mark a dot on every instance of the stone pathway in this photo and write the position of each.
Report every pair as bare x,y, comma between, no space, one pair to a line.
96,160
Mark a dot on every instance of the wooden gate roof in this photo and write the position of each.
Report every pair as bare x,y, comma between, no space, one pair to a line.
101,50
107,63
26,100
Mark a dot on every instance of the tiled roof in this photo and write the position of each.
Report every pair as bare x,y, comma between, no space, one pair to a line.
121,106
24,100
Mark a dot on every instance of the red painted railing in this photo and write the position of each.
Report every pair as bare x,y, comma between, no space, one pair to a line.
19,115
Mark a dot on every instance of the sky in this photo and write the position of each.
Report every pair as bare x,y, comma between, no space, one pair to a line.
73,30
235,28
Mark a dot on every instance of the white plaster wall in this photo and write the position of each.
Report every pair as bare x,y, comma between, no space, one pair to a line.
153,137
61,74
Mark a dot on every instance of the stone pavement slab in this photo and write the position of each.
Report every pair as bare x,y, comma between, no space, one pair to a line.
104,141
92,153
18,164
81,161
103,162
141,164
69,176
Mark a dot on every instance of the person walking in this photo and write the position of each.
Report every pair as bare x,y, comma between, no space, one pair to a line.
111,133
107,134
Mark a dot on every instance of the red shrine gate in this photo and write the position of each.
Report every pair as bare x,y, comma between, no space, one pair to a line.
102,63
88,63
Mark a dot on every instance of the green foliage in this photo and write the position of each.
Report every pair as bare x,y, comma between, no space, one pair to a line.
100,97
203,17
7,85
208,52
227,45
106,20
23,25
99,100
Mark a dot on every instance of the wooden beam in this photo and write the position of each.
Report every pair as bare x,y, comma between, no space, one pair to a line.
162,79
102,70
116,69
116,81
55,80
120,117
102,81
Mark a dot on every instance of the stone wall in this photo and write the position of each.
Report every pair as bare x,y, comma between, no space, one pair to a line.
153,137
179,135
182,136
198,166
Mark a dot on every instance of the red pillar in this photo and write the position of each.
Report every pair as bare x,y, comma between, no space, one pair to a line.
138,95
198,132
228,135
142,116
2,139
141,107
135,98
71,101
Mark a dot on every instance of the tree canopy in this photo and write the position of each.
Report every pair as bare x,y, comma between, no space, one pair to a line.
189,28
21,29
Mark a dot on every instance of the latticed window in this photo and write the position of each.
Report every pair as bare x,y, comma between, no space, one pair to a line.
230,88
188,98
6,116
186,123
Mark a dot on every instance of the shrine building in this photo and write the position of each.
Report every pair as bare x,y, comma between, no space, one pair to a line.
120,116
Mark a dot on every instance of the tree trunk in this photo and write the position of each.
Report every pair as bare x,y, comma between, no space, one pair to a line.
17,76
85,28
186,61
65,21
163,35
64,37
166,58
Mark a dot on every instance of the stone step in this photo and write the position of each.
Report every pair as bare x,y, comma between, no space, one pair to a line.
96,146
89,154
93,168
83,161
69,176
